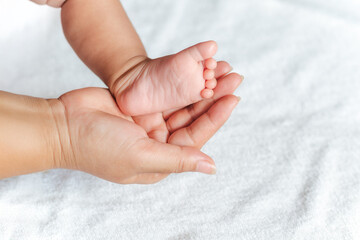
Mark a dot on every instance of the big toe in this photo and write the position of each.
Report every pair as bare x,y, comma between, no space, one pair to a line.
203,50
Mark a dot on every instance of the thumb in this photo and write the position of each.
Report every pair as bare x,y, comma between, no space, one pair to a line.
157,157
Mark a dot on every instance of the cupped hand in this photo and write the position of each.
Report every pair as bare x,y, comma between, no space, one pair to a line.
195,124
106,143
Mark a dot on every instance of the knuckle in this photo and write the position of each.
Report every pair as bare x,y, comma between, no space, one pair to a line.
180,166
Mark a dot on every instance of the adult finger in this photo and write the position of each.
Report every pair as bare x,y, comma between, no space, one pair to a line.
204,127
154,125
156,157
222,68
226,85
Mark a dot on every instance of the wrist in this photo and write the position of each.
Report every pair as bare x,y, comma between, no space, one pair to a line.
29,139
62,153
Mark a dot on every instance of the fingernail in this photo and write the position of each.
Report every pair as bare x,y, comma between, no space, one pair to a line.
242,77
231,68
238,98
205,167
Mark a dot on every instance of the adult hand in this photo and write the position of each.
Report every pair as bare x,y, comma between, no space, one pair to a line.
195,124
106,143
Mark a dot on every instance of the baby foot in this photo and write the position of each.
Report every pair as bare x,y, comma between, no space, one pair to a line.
156,85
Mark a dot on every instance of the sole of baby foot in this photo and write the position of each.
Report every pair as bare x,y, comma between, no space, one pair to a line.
169,82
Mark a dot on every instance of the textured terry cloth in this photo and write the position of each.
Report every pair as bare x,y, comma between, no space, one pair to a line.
288,160
53,3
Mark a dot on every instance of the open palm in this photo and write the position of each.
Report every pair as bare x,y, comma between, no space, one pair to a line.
195,124
145,149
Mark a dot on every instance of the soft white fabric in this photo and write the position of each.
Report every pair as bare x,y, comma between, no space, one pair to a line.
288,159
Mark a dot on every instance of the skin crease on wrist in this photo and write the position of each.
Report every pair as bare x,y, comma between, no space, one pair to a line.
29,139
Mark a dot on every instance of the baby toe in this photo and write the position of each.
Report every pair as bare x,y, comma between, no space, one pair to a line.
210,63
211,84
207,93
209,74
